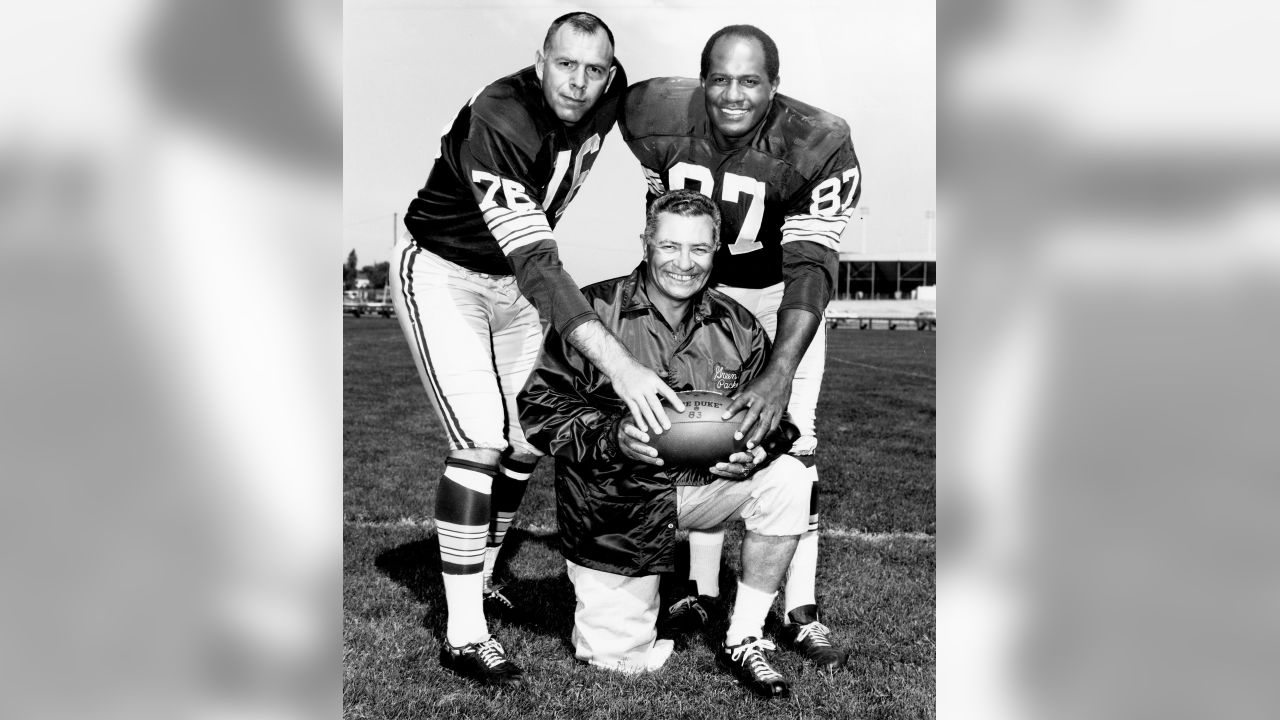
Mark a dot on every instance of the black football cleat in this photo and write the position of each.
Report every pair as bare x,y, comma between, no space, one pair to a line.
748,663
811,639
484,662
495,601
690,614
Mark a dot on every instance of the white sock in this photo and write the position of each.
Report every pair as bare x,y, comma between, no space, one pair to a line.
704,560
749,612
802,574
466,623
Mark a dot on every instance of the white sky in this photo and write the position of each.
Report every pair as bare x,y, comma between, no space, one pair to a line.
411,64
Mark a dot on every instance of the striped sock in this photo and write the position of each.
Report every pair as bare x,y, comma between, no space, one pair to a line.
509,485
462,512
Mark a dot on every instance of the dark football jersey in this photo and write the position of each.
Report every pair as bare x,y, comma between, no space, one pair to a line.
785,196
506,170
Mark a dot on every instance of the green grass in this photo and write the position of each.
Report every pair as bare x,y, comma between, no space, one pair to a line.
876,422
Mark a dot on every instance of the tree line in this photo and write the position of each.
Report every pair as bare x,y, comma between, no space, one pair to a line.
377,273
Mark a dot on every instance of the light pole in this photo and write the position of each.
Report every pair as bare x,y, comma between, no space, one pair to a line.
863,212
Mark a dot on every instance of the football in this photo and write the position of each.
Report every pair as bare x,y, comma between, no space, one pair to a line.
698,437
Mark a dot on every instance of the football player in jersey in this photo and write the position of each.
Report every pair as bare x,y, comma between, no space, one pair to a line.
476,275
786,178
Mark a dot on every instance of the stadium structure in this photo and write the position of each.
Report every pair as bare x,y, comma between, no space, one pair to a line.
885,276
885,289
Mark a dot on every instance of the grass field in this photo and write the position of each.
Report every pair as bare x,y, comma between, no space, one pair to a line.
875,583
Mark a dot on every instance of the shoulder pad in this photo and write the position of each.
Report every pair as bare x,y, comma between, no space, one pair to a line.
742,316
804,133
661,106
504,108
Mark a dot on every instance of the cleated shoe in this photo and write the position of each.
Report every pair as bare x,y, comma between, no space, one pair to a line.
748,663
811,639
485,662
495,602
690,614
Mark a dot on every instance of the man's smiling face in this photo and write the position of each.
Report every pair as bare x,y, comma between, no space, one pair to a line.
737,86
679,256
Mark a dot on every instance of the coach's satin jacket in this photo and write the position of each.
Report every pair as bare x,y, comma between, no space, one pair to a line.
615,514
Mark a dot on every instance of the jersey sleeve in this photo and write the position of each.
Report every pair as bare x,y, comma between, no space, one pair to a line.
498,168
650,168
812,227
756,352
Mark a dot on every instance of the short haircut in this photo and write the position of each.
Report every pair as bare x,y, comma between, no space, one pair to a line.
583,22
685,203
771,62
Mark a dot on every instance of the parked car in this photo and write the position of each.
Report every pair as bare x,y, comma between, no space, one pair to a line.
351,307
380,307
927,320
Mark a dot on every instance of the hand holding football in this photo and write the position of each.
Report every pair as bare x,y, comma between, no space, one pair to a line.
698,437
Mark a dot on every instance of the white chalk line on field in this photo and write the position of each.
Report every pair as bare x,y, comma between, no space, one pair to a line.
548,530
885,369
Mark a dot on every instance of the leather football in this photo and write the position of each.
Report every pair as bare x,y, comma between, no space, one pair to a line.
698,437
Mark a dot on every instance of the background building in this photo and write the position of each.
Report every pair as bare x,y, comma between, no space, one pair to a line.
885,276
